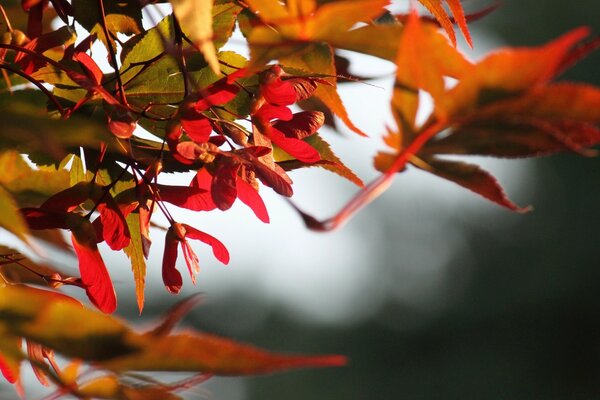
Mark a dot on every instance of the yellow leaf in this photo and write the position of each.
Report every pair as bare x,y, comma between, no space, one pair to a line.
195,18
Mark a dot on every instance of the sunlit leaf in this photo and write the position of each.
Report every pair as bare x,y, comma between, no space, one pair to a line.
10,218
135,252
195,18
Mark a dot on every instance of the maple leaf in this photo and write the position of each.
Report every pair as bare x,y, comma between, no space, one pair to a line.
505,106
436,7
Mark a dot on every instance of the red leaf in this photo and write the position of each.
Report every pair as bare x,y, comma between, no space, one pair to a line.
90,67
190,197
114,227
40,44
35,352
120,122
223,188
473,178
202,180
197,126
273,177
219,249
250,196
38,218
303,87
216,95
171,277
269,112
69,199
302,125
94,275
294,147
279,93
191,259
10,375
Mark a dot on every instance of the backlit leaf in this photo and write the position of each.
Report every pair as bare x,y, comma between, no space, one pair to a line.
329,161
436,7
135,252
473,178
195,17
10,218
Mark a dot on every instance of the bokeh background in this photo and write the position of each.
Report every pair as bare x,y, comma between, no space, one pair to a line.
431,292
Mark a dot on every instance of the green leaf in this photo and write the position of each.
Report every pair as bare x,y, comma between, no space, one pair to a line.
121,17
135,252
30,130
224,17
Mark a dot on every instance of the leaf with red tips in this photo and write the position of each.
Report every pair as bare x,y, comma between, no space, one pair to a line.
425,58
558,117
94,275
218,248
170,275
473,178
250,196
110,344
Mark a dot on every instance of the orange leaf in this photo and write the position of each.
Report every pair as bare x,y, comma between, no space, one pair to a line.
211,354
473,178
436,7
509,72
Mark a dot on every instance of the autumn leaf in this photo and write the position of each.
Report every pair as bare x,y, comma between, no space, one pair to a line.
436,7
55,322
195,18
470,177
